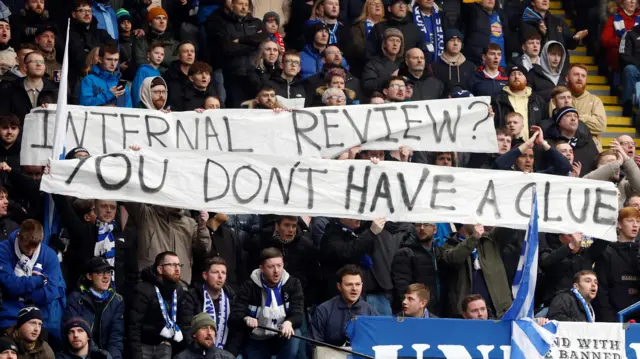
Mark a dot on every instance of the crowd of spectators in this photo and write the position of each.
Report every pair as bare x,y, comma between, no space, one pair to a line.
139,281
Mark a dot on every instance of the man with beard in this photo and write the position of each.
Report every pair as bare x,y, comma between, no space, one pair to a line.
78,341
518,97
398,20
27,20
425,85
338,33
153,328
213,298
45,39
331,317
590,108
417,262
332,58
380,68
415,302
618,273
203,343
574,305
26,334
153,94
11,139
282,311
265,99
395,89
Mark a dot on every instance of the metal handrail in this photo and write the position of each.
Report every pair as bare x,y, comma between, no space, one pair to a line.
628,310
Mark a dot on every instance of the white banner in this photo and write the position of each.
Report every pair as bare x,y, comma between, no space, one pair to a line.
439,125
405,192
589,340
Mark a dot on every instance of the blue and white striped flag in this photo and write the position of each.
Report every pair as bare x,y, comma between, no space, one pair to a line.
528,339
51,217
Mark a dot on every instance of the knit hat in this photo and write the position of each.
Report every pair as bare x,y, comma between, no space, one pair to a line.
516,68
27,313
76,322
271,16
7,344
451,33
123,15
156,11
559,113
391,32
312,30
201,320
72,154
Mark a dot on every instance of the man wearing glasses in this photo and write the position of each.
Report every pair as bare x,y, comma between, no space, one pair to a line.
288,84
395,90
417,261
152,328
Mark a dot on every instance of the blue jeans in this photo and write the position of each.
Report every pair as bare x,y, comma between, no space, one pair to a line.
631,80
264,349
380,303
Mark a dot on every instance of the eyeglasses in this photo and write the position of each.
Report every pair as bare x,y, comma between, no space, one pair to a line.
37,62
84,11
337,98
173,265
159,92
399,87
292,62
627,143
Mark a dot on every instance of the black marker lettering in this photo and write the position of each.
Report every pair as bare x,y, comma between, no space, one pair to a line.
45,129
546,218
70,121
600,205
383,190
403,187
143,185
361,137
445,122
300,132
234,185
155,134
409,122
362,189
435,190
75,170
123,119
229,145
327,126
585,206
384,110
180,128
310,190
276,173
206,182
519,197
491,199
104,128
103,182
213,132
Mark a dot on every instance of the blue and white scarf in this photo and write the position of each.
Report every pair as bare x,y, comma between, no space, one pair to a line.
436,49
618,24
368,26
273,311
333,39
105,245
171,329
221,317
588,309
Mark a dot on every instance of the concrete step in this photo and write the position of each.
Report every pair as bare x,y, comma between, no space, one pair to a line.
621,129
586,60
615,111
597,80
618,121
609,100
557,12
555,5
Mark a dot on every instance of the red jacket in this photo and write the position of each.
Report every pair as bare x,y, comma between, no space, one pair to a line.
610,40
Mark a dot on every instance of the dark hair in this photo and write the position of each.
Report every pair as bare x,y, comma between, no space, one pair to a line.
82,206
582,273
185,42
160,257
107,49
5,191
393,78
80,3
280,218
29,46
34,52
265,87
31,233
269,253
9,120
155,44
531,35
199,67
158,81
556,48
500,131
213,261
626,201
491,46
471,298
377,94
349,269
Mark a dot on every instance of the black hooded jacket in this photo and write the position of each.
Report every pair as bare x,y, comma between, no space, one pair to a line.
82,39
618,280
566,307
427,87
286,89
584,149
412,36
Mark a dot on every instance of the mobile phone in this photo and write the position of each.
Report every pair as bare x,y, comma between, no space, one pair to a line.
122,83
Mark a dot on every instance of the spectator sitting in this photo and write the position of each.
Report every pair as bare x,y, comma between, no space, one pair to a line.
331,317
544,78
489,79
574,305
288,82
155,56
10,140
416,301
96,303
567,128
372,14
452,68
8,348
425,85
31,271
400,23
106,16
102,87
335,78
26,333
271,21
282,291
332,58
194,96
518,97
333,97
609,165
78,342
265,99
530,51
624,19
203,336
267,63
153,94
158,33
125,42
474,307
378,70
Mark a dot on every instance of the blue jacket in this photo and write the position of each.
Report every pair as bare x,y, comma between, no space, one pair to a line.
94,89
110,335
144,71
482,85
106,17
331,317
311,62
49,296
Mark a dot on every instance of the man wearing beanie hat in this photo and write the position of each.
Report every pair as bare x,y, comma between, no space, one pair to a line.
203,332
106,17
8,348
78,342
378,71
158,22
518,97
568,127
398,19
317,50
26,335
452,68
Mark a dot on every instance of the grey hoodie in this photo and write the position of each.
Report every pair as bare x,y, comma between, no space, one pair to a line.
544,62
145,92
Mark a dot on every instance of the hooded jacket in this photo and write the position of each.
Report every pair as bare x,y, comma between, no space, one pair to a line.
537,107
249,302
106,318
166,229
611,41
565,307
145,316
453,72
427,87
377,71
542,79
412,37
482,85
95,89
311,62
41,350
141,48
145,100
144,72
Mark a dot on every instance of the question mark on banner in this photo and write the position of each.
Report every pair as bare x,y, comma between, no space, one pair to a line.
481,121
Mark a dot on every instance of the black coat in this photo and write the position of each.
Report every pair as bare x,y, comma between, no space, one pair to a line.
82,39
145,316
618,280
453,76
224,243
565,307
541,84
177,82
192,303
557,30
584,150
376,72
477,32
238,57
630,54
427,87
286,89
191,98
260,76
7,226
412,37
15,99
94,353
196,352
537,109
313,82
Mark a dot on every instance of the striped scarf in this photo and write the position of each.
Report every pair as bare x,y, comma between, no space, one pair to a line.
171,329
618,24
220,317
105,245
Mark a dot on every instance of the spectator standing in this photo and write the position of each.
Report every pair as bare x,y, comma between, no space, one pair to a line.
489,79
330,319
530,51
430,21
537,17
574,305
152,325
45,39
8,348
31,271
425,85
271,21
106,16
158,22
332,58
395,90
96,302
26,333
452,68
155,57
630,63
288,83
125,42
379,69
261,301
317,38
102,87
201,87
267,63
484,24
566,121
203,344
78,343
153,94
544,78
372,14
26,22
330,11
5,37
177,76
10,140
626,17
398,20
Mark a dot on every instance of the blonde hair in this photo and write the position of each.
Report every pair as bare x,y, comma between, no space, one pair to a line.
365,11
258,62
88,64
317,7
